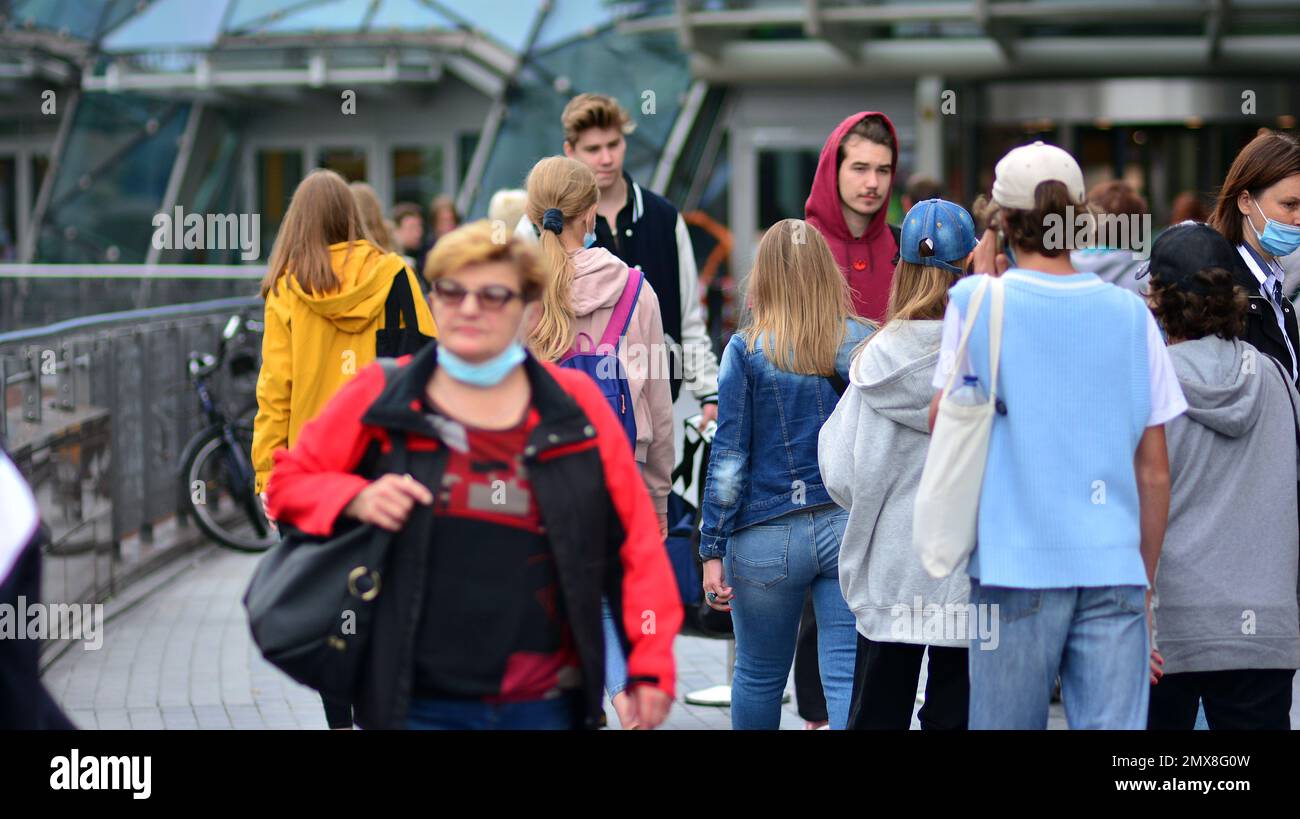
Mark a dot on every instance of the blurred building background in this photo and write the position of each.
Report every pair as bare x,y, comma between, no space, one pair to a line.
112,111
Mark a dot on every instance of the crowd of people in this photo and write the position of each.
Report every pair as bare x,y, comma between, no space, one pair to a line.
1137,539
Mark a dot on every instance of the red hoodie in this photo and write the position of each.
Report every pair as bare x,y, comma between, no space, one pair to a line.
867,262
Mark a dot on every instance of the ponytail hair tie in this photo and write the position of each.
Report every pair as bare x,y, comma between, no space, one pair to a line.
553,220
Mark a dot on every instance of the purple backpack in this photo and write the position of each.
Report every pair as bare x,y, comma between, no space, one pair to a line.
602,363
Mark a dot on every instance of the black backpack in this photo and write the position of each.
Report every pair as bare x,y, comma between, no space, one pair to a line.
394,340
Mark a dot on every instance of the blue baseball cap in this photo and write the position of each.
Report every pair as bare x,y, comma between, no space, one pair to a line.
937,232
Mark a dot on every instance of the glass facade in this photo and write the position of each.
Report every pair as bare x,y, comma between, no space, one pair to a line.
647,74
417,175
111,179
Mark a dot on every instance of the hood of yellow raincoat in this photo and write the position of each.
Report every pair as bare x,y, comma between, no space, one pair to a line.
365,273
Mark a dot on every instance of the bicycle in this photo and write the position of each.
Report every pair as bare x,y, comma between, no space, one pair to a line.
216,474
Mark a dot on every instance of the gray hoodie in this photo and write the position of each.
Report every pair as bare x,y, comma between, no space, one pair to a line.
871,451
1118,267
1226,584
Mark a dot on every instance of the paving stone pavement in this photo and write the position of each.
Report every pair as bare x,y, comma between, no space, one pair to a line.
182,658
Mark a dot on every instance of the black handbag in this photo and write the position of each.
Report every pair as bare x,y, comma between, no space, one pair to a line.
394,340
311,600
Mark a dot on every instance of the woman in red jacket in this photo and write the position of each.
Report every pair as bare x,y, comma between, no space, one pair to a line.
520,507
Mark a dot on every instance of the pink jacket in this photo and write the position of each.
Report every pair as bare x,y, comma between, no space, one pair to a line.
598,282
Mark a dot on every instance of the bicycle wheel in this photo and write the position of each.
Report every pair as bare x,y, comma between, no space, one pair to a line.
231,515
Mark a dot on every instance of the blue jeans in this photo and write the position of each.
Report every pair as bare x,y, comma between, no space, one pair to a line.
615,662
557,714
1096,638
770,567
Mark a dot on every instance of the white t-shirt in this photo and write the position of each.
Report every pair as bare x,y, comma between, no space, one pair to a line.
19,513
1167,401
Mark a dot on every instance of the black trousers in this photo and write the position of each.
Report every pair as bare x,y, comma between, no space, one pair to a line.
338,713
884,687
809,698
1246,700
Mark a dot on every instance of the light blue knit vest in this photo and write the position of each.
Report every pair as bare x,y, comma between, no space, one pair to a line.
1059,505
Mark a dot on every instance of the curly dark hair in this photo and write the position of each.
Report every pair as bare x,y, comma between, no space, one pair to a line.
1208,304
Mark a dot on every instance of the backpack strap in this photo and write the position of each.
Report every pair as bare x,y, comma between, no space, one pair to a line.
397,458
399,303
622,315
837,384
898,241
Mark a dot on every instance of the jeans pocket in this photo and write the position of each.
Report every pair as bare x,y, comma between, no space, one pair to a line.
1128,599
1012,604
760,554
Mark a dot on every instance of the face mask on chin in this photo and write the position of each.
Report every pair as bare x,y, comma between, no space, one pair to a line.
484,373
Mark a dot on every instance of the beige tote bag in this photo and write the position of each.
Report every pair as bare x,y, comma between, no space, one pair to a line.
944,520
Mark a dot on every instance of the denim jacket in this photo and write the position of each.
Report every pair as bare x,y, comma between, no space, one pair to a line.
764,459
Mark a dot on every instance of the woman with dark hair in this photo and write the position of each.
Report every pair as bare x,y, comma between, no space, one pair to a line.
1226,620
1258,210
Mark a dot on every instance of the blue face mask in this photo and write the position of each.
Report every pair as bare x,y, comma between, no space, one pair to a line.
1277,238
588,239
485,374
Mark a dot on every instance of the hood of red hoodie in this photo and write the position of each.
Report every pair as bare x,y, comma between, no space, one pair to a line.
866,261
823,205
598,280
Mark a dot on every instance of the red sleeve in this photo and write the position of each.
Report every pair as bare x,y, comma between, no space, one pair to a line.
312,482
652,609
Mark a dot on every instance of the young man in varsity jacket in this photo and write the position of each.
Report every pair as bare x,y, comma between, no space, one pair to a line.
644,230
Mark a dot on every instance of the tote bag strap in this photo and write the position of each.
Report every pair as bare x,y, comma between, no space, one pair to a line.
973,311
995,335
995,331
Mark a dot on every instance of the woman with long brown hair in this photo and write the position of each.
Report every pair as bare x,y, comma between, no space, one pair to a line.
1258,211
325,290
769,525
871,453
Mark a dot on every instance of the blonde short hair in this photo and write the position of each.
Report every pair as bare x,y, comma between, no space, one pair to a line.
480,243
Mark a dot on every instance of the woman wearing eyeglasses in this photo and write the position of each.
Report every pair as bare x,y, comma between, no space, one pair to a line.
521,510
588,290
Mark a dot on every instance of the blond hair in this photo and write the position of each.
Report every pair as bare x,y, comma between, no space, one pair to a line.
593,111
800,300
481,243
508,205
918,293
322,212
372,215
570,186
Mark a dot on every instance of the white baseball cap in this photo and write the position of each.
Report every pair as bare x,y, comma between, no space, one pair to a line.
1019,173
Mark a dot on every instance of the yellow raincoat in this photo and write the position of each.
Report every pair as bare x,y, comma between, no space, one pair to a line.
314,343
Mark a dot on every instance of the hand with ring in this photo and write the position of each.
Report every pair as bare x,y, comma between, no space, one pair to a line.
716,592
